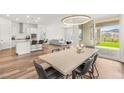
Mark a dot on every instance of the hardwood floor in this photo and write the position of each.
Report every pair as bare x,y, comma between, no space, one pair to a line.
109,69
21,67
7,52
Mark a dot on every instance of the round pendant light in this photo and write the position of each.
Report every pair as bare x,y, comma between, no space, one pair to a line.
76,19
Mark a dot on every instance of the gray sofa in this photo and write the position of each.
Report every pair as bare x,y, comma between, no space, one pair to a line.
57,42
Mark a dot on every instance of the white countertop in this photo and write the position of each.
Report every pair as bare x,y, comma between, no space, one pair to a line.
19,41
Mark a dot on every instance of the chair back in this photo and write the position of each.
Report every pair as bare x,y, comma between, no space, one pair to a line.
68,42
34,42
40,71
41,41
55,50
87,66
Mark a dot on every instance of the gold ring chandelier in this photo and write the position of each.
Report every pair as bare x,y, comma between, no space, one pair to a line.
76,19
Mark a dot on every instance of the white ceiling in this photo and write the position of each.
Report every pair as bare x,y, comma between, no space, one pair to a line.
47,19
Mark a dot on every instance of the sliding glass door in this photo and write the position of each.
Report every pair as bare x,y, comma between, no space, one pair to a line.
107,39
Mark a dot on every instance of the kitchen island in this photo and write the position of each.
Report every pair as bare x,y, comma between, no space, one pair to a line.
23,47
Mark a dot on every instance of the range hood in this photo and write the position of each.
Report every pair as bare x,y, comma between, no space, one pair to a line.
21,28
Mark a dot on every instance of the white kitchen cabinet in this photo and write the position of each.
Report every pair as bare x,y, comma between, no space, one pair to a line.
22,47
15,28
5,34
36,47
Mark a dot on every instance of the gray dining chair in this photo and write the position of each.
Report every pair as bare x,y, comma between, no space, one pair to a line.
49,73
84,68
94,67
55,50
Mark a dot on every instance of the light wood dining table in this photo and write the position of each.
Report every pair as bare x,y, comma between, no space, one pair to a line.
67,60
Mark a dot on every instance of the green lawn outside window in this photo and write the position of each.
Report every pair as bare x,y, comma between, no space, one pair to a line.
109,44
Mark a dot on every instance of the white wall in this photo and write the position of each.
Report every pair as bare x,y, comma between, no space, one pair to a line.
41,32
88,34
75,35
54,31
68,33
72,34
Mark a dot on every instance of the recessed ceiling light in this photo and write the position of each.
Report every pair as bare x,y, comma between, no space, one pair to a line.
38,18
27,16
7,15
17,19
36,21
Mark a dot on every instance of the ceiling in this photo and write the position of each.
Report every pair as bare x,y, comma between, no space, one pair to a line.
47,19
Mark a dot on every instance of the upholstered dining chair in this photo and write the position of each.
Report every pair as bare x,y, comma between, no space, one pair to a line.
49,73
55,50
84,68
94,67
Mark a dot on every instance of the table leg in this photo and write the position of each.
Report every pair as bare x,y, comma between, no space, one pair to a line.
73,74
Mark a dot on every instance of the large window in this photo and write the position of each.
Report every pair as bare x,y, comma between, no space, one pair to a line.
108,36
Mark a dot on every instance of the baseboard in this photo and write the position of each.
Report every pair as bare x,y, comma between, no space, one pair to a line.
112,59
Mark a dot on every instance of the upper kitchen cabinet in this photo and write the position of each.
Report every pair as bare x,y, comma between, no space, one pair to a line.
29,28
15,28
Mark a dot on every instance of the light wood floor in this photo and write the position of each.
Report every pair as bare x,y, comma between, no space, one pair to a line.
21,67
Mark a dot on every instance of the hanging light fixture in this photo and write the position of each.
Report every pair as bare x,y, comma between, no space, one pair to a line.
76,19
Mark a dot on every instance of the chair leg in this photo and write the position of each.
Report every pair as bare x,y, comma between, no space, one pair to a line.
90,75
93,76
96,71
81,77
92,70
73,74
66,76
78,76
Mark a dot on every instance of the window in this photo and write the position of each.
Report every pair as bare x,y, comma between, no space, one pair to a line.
108,36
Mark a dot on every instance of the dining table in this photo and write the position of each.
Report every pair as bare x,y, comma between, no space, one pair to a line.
66,61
